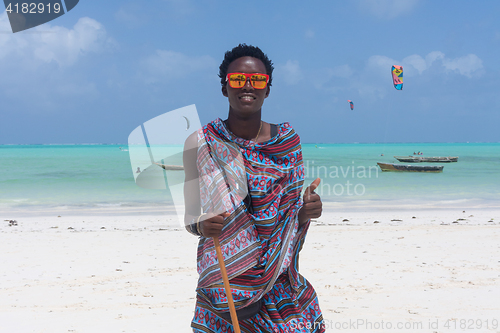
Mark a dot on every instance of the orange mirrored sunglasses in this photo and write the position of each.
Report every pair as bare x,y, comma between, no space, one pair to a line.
238,80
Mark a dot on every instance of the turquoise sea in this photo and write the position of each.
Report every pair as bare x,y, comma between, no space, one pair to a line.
83,179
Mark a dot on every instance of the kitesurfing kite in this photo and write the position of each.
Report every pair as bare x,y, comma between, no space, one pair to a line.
350,103
397,77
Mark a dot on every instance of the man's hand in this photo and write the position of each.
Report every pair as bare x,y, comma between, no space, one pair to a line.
211,225
312,207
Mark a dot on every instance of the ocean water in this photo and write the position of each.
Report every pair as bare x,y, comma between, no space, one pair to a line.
99,178
473,181
78,178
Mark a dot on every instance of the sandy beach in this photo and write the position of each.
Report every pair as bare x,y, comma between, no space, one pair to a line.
398,271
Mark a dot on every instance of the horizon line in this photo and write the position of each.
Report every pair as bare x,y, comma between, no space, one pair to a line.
309,143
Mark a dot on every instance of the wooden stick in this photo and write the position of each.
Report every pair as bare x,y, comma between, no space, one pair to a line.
227,287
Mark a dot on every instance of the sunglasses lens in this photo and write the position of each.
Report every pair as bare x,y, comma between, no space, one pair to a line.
237,80
258,81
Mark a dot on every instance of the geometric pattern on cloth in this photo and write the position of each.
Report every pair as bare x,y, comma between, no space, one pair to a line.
261,249
282,311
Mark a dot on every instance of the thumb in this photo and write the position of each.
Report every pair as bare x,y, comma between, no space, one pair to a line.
314,185
310,189
225,214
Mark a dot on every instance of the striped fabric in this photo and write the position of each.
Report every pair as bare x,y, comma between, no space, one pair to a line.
261,249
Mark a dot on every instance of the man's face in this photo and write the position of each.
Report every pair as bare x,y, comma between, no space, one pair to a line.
247,100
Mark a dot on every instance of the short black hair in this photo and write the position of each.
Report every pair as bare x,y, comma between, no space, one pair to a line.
244,50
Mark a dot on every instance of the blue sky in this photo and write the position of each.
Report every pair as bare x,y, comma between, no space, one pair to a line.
96,73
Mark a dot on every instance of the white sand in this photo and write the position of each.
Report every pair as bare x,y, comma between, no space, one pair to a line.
137,274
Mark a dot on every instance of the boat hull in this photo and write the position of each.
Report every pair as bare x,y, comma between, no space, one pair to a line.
431,159
171,167
410,168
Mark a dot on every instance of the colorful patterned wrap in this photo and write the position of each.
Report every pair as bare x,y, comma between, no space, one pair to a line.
261,249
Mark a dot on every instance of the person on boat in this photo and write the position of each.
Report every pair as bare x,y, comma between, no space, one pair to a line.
262,237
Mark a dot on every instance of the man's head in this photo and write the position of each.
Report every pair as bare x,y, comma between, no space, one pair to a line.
244,50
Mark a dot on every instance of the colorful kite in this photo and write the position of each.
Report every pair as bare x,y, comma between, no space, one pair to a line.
397,77
352,105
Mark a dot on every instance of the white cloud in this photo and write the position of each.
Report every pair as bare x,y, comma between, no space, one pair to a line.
433,56
332,80
165,65
466,65
46,44
128,16
291,72
371,92
387,9
372,81
309,33
380,62
42,63
416,62
343,71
